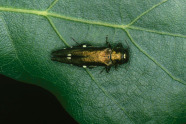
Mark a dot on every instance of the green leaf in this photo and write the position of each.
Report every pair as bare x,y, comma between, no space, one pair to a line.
149,89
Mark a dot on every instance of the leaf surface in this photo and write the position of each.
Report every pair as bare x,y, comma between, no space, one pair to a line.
149,89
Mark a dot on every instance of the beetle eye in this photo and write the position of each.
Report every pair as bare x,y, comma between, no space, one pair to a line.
124,55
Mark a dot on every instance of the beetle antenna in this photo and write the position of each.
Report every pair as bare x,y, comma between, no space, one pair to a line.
75,41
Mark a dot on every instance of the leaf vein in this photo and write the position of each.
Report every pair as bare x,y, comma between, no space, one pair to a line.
151,58
86,21
8,63
52,4
158,32
45,13
14,47
57,32
147,11
110,97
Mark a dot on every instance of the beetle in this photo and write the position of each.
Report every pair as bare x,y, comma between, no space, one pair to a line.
85,55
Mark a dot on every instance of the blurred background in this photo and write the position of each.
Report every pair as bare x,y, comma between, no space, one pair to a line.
28,104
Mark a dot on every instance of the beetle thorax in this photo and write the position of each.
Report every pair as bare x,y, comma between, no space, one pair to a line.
116,56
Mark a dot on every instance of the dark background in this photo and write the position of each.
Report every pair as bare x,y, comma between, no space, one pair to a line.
27,104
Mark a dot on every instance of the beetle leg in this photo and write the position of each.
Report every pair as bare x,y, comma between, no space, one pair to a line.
102,70
108,68
108,44
107,38
119,45
116,67
90,67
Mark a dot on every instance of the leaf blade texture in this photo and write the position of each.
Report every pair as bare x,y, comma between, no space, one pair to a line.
149,89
